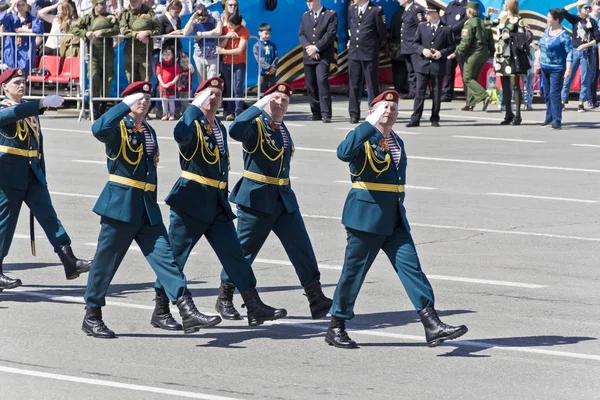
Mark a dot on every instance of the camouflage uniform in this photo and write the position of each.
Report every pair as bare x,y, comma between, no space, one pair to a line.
138,56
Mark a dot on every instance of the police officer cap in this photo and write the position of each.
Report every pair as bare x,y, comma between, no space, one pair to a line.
281,88
137,87
388,95
96,2
11,73
212,82
432,6
473,5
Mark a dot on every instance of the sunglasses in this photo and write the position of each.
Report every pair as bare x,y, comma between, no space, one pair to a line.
587,7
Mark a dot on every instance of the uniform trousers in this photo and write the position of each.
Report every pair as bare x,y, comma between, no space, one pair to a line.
473,66
412,81
422,83
317,86
357,71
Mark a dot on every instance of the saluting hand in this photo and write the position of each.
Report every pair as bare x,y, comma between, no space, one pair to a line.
201,98
133,98
53,101
376,115
263,102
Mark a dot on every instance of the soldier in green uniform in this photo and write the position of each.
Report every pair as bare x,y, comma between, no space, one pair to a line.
98,27
474,47
138,23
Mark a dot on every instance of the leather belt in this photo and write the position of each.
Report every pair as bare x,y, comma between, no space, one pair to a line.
203,180
378,187
146,187
266,179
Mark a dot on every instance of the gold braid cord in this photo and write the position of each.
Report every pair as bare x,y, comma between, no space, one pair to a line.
370,156
259,142
125,142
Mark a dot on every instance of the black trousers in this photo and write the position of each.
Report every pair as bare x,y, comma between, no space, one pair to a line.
511,82
400,76
411,78
448,89
422,82
357,71
317,86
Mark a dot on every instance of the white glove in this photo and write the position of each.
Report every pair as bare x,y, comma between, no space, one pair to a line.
133,98
263,102
201,99
374,117
53,101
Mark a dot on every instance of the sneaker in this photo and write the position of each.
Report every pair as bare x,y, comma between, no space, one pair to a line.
563,104
580,108
546,124
591,105
556,127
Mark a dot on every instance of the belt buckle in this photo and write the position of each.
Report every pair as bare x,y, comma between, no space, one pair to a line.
281,182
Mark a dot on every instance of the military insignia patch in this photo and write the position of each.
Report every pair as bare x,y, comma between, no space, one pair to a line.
214,82
146,88
281,88
389,97
20,72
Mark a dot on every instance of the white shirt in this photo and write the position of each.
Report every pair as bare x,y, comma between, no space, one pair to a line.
435,26
363,8
317,13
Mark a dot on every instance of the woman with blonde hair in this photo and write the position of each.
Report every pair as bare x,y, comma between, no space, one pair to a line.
61,24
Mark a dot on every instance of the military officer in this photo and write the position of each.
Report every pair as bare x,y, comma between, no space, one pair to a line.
411,18
474,47
454,16
98,27
375,218
264,196
433,42
199,207
138,23
367,32
129,211
317,34
23,175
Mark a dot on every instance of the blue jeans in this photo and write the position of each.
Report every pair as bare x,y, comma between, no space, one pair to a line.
528,83
552,81
593,80
579,60
235,88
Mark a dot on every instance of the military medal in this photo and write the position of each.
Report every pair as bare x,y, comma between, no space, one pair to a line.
384,145
208,128
133,140
273,125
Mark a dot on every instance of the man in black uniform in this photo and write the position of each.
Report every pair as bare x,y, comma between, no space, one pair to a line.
317,33
454,17
433,42
397,59
367,32
412,17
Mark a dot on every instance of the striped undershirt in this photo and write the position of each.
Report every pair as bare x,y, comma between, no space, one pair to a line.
150,146
216,130
284,136
394,149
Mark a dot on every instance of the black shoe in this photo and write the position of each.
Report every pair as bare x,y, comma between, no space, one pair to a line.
326,120
436,332
259,312
192,319
162,317
319,303
446,99
93,324
516,121
316,118
73,265
408,96
224,305
354,120
337,335
486,103
467,108
435,124
413,124
6,282
507,121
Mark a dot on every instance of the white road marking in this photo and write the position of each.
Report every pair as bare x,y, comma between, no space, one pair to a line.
67,130
112,384
100,162
498,139
435,277
73,195
134,247
407,186
542,197
397,132
288,124
585,145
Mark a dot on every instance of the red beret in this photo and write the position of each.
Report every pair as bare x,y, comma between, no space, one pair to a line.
11,73
212,82
137,87
281,88
388,95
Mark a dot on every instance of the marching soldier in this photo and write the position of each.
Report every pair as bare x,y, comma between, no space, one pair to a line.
99,27
474,46
367,32
412,17
265,199
199,207
23,176
317,34
129,211
138,23
454,17
433,42
378,192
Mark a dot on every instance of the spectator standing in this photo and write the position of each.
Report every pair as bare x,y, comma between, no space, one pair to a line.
455,17
234,49
19,51
186,78
529,79
398,63
555,61
265,53
167,74
593,71
207,27
60,24
412,17
230,7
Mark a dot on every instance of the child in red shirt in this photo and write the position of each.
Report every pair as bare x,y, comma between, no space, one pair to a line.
184,85
167,73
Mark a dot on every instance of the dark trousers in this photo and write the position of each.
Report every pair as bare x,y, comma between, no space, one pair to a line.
184,233
253,228
593,77
37,198
357,71
361,250
234,76
514,82
317,86
448,88
114,241
267,82
411,80
422,83
400,76
552,82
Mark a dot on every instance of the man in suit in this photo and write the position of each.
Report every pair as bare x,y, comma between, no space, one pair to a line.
317,34
199,207
375,219
412,17
129,211
264,196
367,32
454,17
23,175
433,42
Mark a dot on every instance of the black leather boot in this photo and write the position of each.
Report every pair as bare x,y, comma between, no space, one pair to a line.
319,304
225,305
192,319
337,335
161,317
436,331
259,312
93,324
73,265
6,282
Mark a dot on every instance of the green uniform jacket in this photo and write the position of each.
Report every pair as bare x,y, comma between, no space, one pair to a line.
475,38
143,19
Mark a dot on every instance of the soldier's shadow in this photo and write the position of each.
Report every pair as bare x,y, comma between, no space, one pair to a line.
10,267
